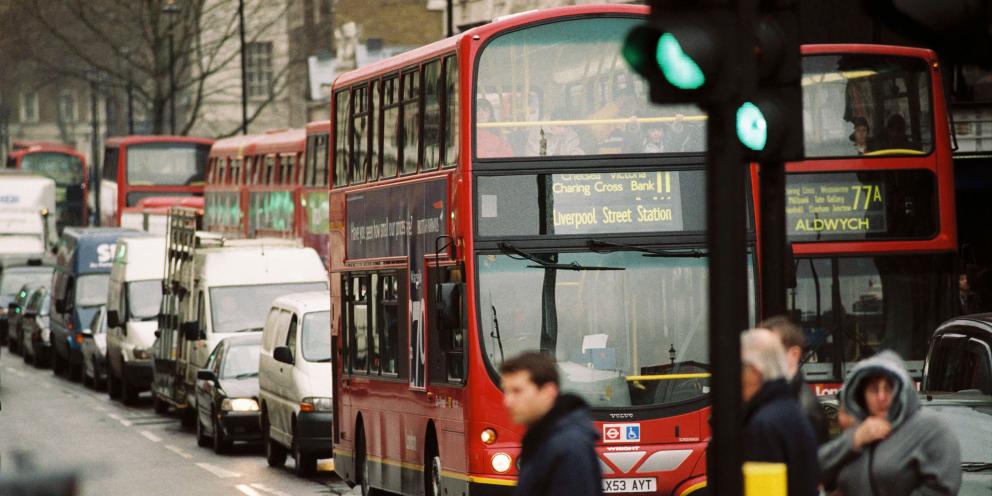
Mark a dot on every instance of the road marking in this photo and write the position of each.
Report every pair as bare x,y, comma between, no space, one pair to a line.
151,437
266,489
219,472
179,451
247,490
125,422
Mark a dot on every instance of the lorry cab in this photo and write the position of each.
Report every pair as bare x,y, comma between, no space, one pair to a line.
27,205
295,380
79,288
133,299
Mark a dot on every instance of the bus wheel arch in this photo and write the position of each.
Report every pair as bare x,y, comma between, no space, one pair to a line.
361,476
433,485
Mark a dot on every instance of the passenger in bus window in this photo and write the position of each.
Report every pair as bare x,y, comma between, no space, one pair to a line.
489,141
895,133
654,140
555,138
860,135
680,137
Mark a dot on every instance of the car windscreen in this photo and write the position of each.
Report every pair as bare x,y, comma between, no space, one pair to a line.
13,278
91,290
317,337
244,308
144,299
241,361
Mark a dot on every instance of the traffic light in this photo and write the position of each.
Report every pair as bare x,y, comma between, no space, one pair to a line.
687,51
770,119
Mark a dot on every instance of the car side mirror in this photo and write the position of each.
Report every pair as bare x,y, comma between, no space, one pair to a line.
190,330
206,375
283,354
113,318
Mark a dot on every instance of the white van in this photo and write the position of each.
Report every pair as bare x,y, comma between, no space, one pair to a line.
27,203
295,380
133,299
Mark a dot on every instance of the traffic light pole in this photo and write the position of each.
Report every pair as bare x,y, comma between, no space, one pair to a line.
773,241
726,232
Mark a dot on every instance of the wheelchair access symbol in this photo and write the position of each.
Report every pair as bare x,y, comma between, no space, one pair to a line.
621,433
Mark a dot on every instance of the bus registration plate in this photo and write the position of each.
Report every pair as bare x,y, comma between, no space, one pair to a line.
632,485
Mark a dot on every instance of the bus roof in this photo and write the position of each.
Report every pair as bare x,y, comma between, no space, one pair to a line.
22,144
447,45
47,148
235,145
142,139
848,48
170,201
281,141
318,127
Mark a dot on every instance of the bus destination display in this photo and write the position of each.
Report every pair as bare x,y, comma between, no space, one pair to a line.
620,202
834,206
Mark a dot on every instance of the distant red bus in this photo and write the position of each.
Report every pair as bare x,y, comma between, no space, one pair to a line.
136,167
67,167
503,190
151,213
871,211
272,184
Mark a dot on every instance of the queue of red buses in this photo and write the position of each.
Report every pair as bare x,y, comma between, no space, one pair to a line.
871,211
509,189
137,167
63,164
273,184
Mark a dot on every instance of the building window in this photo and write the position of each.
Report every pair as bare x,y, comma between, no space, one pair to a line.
258,69
29,107
67,107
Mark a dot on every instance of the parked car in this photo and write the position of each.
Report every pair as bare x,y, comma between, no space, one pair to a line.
15,272
295,380
15,311
969,416
227,393
34,330
959,358
95,351
133,300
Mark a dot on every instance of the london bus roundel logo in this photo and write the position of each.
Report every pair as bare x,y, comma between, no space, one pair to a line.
613,433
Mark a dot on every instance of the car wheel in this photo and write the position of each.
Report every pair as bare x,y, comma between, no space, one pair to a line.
41,359
202,440
306,464
113,387
26,358
221,444
56,363
160,406
275,454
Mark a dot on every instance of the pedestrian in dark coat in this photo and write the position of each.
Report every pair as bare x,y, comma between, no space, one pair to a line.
793,341
558,457
775,429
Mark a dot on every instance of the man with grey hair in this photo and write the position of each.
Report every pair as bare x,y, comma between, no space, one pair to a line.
775,428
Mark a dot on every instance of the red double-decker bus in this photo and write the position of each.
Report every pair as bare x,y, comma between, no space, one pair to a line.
503,190
272,184
870,212
67,167
136,167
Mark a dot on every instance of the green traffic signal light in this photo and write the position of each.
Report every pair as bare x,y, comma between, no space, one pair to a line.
752,127
679,68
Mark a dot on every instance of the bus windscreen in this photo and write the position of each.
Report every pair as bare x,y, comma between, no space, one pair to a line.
64,169
854,206
166,164
591,203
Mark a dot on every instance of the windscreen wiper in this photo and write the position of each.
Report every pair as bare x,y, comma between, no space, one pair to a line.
600,246
518,254
976,466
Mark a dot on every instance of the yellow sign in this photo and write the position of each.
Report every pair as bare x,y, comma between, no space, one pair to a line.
833,204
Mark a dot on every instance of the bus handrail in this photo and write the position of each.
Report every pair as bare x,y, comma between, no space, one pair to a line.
667,377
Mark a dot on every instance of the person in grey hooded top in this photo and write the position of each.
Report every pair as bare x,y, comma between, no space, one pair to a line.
895,448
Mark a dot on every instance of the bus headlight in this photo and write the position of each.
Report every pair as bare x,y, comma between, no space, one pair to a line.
501,462
239,405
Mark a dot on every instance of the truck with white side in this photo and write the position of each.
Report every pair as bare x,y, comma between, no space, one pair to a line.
214,287
27,203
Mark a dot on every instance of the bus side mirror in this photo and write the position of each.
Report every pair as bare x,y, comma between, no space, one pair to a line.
190,330
113,319
449,310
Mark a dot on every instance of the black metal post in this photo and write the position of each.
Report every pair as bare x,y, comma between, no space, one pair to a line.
244,68
95,148
725,200
172,80
130,104
773,241
450,14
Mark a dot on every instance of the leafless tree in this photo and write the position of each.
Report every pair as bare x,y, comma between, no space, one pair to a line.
126,44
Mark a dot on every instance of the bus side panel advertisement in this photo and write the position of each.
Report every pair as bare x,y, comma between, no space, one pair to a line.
383,222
